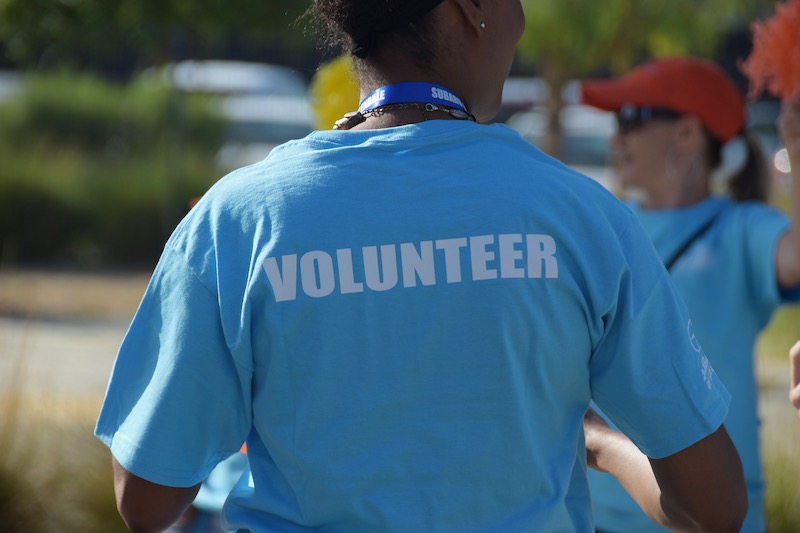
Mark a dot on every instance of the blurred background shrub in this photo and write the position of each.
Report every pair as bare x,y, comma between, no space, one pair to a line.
97,174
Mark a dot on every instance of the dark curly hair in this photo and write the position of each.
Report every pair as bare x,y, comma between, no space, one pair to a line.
365,27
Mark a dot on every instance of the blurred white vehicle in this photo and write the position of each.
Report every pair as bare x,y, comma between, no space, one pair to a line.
257,124
264,104
225,77
10,84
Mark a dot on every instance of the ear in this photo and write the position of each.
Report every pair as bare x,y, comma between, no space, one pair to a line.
472,12
690,130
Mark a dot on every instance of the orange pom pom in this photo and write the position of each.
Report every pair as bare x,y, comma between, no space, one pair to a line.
774,63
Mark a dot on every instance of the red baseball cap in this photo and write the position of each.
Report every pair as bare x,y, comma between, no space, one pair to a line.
687,85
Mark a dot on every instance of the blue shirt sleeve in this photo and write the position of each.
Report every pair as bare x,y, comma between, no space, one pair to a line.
174,363
760,228
655,383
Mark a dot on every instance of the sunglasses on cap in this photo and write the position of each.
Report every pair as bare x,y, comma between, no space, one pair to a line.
631,118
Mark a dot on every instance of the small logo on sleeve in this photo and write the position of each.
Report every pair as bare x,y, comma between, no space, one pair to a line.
707,369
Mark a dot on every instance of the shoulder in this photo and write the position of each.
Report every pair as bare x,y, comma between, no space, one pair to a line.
754,217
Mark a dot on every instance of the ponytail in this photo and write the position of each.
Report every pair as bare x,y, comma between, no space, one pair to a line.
751,181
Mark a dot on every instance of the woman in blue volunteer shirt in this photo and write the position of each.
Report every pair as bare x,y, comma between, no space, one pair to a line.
734,259
406,318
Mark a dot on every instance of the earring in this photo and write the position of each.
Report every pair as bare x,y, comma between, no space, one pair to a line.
483,25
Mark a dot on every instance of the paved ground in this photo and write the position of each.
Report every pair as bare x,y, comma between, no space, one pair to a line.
58,357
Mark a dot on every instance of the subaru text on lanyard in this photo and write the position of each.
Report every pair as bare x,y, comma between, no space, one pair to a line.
401,93
424,96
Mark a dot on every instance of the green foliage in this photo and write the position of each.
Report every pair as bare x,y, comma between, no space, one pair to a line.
573,38
86,112
62,32
96,174
34,223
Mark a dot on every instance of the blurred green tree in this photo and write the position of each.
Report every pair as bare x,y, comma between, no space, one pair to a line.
57,33
572,39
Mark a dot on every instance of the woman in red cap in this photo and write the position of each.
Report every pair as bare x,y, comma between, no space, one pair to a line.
734,259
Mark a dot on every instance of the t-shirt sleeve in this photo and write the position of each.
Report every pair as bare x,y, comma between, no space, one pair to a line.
649,374
176,404
759,229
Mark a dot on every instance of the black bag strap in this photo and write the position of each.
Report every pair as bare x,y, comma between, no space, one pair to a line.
688,243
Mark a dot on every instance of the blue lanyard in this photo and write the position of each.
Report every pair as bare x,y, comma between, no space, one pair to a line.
412,91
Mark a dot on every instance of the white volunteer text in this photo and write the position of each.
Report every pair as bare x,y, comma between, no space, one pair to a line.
508,256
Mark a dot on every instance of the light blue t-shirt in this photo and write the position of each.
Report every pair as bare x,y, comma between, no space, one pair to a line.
407,326
727,279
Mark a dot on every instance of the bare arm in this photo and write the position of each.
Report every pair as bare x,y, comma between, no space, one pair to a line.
700,488
147,507
788,255
794,372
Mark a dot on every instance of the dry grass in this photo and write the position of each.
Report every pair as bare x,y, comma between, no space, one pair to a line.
70,295
781,333
781,441
54,475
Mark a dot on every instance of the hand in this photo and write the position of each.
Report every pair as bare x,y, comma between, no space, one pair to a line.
789,125
794,372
